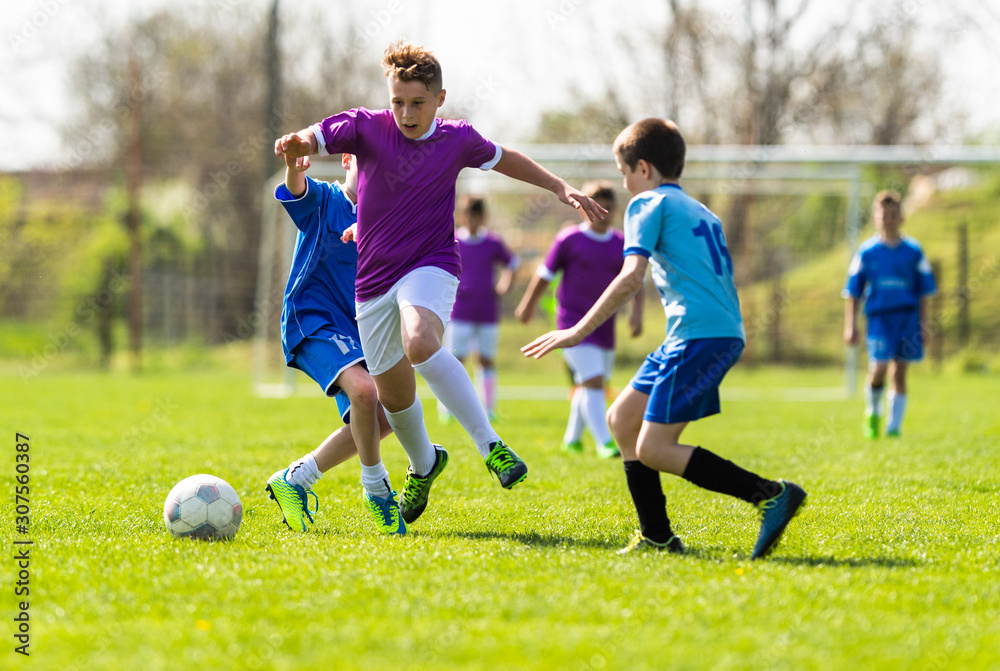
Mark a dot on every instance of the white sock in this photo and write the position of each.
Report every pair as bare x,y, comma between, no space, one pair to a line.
375,480
896,404
594,409
303,472
873,400
408,425
574,426
489,389
450,382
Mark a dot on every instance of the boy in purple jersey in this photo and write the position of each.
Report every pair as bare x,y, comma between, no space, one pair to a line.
589,256
893,277
475,318
408,262
319,335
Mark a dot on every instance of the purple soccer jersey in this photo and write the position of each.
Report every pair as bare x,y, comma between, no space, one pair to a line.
589,262
406,191
477,298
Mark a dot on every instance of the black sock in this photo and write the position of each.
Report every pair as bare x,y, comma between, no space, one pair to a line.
650,504
710,471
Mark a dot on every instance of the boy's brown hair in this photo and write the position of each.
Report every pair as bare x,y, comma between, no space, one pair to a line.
474,205
406,62
888,198
600,189
656,141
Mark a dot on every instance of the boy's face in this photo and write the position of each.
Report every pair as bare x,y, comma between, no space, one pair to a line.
413,106
887,219
636,181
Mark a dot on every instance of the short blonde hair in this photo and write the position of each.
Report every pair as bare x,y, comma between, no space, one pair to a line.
406,62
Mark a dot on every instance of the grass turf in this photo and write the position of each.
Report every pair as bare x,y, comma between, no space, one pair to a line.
892,564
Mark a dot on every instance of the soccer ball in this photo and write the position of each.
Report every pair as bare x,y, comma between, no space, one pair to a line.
203,506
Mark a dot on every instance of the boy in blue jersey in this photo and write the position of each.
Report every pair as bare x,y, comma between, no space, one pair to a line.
679,382
319,335
893,277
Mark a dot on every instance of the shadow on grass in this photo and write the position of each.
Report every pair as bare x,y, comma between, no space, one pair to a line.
535,539
850,562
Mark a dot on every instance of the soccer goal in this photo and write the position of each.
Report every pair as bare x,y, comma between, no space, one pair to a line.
799,211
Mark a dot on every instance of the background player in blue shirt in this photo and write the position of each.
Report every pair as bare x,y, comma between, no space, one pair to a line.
678,383
319,334
893,277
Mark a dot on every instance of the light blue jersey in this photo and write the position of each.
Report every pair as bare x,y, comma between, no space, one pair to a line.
889,278
690,263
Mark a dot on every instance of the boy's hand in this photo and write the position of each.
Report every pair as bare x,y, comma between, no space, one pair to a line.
294,145
523,313
297,163
851,335
544,344
350,234
582,202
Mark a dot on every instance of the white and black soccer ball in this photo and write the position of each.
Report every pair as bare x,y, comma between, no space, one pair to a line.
203,506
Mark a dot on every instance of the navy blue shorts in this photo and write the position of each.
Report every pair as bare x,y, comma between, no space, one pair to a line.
323,356
895,335
682,381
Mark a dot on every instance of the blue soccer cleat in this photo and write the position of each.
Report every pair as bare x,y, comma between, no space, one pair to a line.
775,513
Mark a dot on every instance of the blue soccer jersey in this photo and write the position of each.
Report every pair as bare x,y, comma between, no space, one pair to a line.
690,263
889,278
320,289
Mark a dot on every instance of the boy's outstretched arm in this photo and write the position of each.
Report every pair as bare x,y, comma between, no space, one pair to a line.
518,166
621,289
526,308
298,144
295,174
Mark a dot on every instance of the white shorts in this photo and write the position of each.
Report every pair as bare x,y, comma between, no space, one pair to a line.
589,361
378,319
462,338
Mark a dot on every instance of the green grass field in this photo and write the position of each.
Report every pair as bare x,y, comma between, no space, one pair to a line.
893,563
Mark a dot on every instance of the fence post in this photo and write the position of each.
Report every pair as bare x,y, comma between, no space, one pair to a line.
935,321
962,284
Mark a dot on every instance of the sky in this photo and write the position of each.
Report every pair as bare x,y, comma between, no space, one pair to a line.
505,62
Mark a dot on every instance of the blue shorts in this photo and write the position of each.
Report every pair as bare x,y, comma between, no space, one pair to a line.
323,356
894,335
683,380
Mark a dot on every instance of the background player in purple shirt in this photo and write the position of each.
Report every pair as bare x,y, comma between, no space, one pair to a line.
475,319
408,261
892,276
589,256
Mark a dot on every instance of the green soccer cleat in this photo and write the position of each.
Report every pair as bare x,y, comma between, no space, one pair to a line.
418,487
503,462
385,513
775,514
608,450
871,426
292,500
576,447
640,543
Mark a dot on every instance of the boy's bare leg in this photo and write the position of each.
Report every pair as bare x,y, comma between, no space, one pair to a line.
339,446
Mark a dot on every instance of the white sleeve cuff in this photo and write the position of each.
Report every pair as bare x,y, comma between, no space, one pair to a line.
545,273
496,159
317,130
